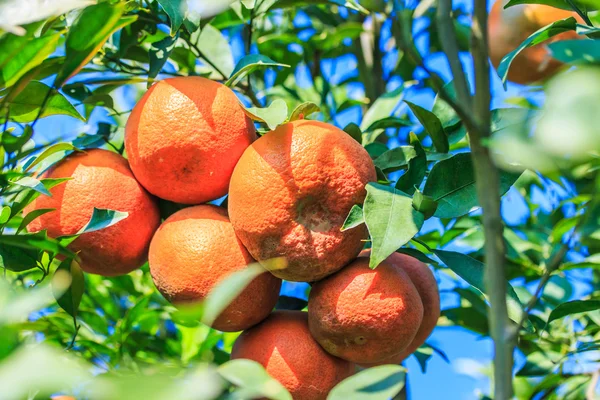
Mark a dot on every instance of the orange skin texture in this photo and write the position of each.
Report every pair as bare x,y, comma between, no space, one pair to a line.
364,315
425,283
282,344
291,192
184,137
509,27
100,179
194,250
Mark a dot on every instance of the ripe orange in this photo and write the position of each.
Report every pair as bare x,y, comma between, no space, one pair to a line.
364,315
291,192
100,179
509,27
425,283
283,345
196,248
184,137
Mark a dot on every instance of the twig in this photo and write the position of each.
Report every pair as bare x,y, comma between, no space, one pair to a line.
487,184
583,15
77,327
447,37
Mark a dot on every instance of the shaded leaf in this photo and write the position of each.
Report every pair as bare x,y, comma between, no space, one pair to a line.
216,49
33,215
424,204
432,126
576,52
354,130
382,108
32,183
252,380
376,383
417,168
290,303
573,307
68,285
159,54
355,218
395,158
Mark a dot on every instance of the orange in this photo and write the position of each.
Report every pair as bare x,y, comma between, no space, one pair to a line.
291,192
184,137
100,179
509,27
195,249
283,345
425,283
364,315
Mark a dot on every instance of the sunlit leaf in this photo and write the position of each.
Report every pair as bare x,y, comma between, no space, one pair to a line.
252,380
376,383
101,219
273,115
250,63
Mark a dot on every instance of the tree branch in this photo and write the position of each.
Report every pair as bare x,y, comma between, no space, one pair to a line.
488,191
449,42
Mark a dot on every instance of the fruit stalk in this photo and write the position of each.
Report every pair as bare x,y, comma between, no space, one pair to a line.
487,185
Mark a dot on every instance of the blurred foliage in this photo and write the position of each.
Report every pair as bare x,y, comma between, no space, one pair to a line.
118,338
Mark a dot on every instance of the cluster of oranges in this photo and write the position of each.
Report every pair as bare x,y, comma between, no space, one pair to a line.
189,141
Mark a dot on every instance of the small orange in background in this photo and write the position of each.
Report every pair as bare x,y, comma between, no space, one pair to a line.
100,179
184,137
509,27
196,248
365,315
425,283
283,345
291,192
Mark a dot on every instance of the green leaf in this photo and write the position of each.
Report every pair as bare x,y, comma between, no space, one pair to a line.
416,254
273,115
381,108
443,110
4,215
32,183
216,49
451,183
25,107
472,271
376,149
391,219
176,10
250,63
159,54
355,218
543,34
389,122
31,216
101,219
27,196
417,168
396,158
573,307
15,143
36,241
252,380
68,285
423,354
88,34
576,52
562,4
432,125
17,259
377,383
227,290
424,204
354,130
55,148
304,110
26,57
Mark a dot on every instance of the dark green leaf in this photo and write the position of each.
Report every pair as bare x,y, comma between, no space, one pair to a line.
416,254
33,215
252,380
423,355
304,110
17,259
391,220
68,285
355,218
35,241
273,115
417,168
290,303
543,34
432,126
573,307
14,143
25,107
88,34
376,149
451,183
176,10
101,219
377,383
395,158
250,63
159,54
354,130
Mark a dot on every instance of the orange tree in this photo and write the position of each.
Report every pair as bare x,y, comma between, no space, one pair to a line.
442,168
